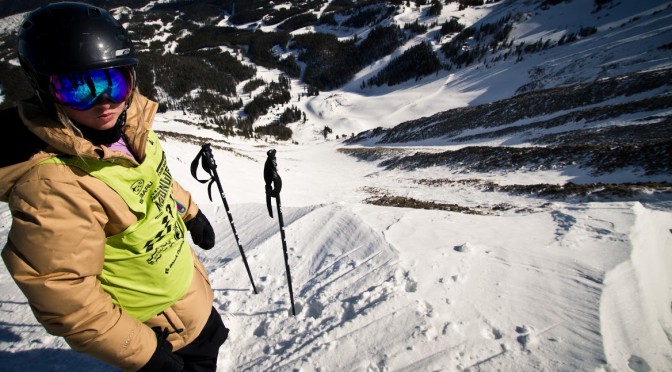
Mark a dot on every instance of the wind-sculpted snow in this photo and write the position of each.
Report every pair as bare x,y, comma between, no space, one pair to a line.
430,305
634,303
342,271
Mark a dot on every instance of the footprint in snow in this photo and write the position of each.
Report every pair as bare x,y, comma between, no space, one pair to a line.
262,329
638,364
492,333
463,248
425,308
411,285
526,339
298,308
315,309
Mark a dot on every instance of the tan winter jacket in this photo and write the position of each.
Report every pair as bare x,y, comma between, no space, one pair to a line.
56,243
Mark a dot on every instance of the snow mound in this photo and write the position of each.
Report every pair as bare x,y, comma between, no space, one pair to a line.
635,316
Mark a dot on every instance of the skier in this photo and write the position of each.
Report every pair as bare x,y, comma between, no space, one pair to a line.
97,242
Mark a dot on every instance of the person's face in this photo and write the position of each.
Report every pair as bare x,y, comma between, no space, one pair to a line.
103,115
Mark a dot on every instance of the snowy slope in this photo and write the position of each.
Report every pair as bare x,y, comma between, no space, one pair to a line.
628,39
548,285
561,287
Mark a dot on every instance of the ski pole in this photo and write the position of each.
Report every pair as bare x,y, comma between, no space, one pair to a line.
271,176
208,164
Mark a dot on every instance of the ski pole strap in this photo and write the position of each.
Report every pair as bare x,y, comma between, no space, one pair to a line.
272,178
208,163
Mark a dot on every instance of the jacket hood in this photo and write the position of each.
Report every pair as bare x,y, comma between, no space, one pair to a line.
39,137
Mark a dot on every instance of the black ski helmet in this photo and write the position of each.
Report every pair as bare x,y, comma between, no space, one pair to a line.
70,37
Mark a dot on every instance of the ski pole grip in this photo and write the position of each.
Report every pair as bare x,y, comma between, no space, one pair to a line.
271,176
201,159
208,160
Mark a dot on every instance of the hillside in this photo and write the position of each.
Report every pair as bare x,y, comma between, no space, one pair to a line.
543,130
204,58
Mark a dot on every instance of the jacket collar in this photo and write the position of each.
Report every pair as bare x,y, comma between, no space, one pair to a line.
56,140
139,117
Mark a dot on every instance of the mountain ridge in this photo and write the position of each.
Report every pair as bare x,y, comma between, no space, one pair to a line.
503,77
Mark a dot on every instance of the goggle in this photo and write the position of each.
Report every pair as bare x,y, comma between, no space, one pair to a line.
81,90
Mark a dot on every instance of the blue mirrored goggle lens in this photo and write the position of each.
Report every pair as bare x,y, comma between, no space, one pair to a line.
81,90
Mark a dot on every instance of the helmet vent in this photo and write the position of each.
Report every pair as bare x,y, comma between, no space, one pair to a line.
94,12
27,25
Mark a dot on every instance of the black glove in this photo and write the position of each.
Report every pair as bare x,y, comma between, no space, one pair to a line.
201,231
163,358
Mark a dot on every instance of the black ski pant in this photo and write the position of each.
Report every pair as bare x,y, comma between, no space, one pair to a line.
201,354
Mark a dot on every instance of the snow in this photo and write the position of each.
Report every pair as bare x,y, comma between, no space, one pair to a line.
11,23
545,285
645,316
561,286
